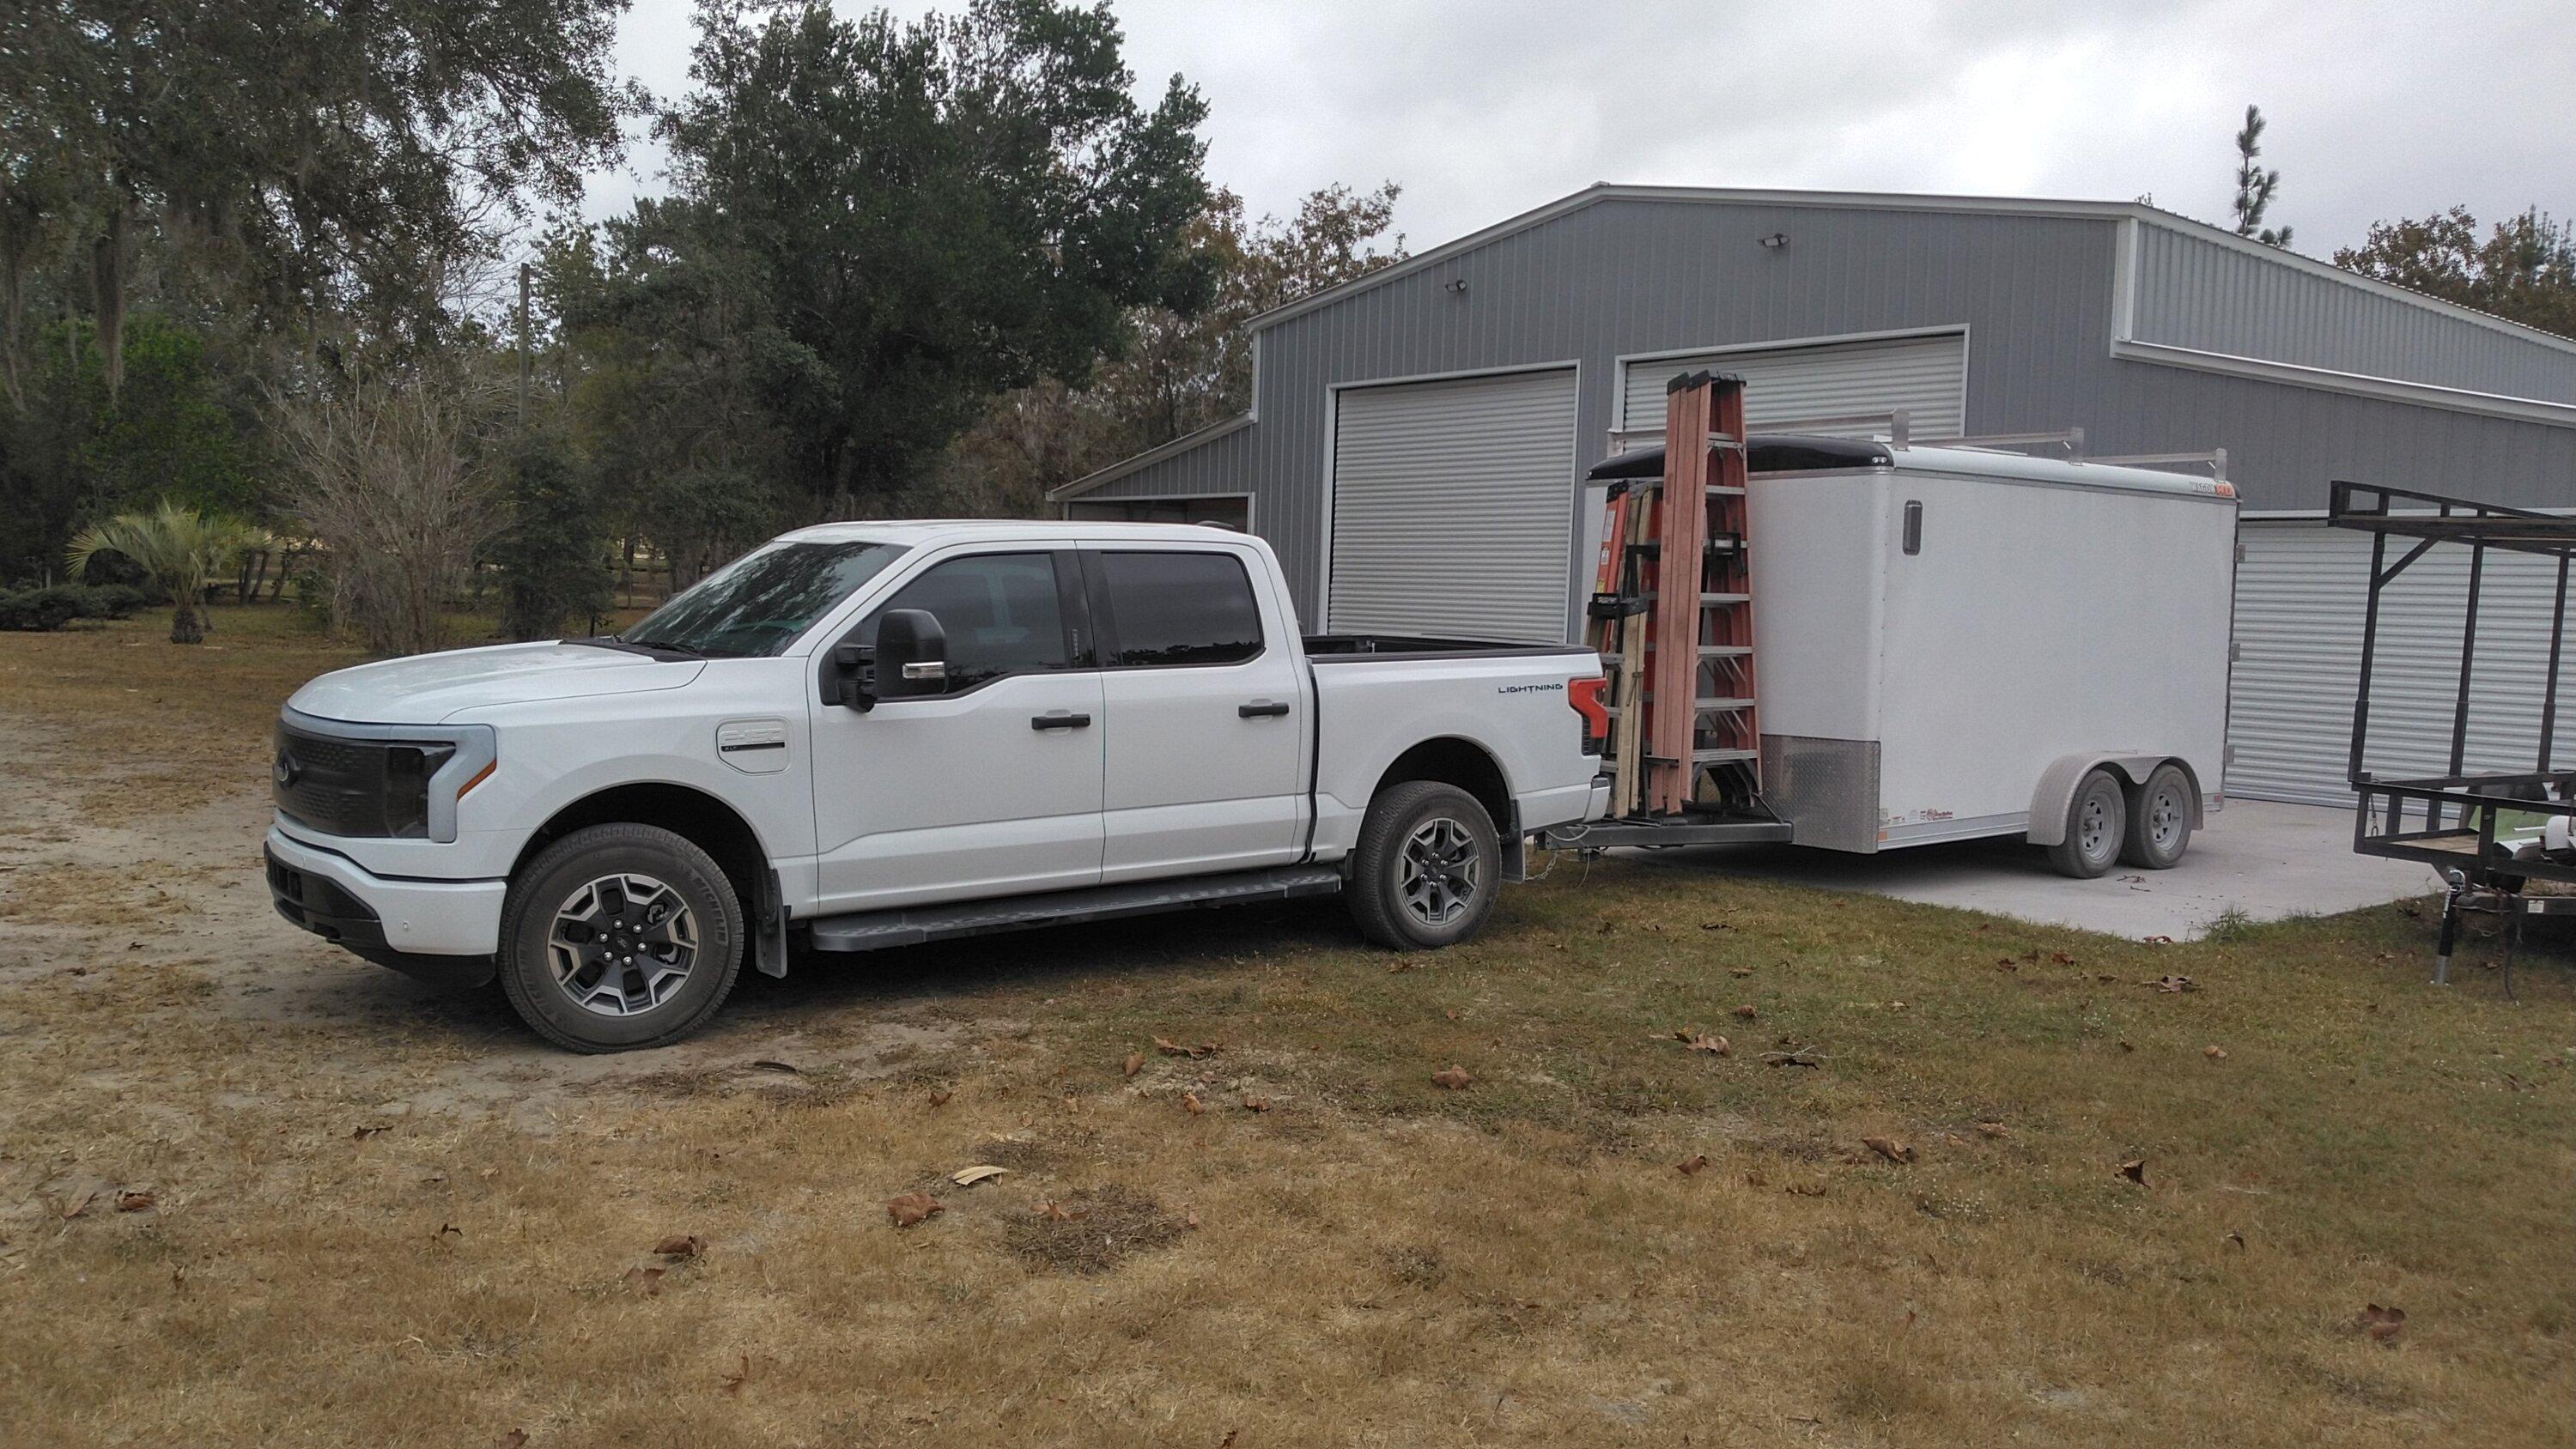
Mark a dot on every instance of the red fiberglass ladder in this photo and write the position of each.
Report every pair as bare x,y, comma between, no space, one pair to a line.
1673,597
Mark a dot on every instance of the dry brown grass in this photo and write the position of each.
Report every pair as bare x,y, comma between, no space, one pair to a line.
1375,1260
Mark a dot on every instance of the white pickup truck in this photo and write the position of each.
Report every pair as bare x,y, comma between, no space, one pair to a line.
875,734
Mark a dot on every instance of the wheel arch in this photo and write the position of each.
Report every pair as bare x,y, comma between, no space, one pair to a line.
705,821
2056,788
1454,760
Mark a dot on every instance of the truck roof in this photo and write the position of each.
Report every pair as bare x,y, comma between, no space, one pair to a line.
922,531
1780,453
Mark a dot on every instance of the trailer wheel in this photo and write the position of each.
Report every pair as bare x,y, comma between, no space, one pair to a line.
618,937
2159,820
2096,822
1426,869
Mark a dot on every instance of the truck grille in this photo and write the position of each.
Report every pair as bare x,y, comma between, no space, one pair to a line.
354,787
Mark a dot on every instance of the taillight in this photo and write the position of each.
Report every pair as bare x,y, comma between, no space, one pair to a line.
1586,697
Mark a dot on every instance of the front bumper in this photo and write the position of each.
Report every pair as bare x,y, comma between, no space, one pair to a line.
336,898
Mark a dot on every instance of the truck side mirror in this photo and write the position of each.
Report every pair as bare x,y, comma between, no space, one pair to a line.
912,654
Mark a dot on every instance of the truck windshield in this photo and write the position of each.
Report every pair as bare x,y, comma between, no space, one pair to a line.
758,603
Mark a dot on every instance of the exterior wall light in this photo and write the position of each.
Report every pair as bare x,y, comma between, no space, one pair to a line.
1776,240
1456,284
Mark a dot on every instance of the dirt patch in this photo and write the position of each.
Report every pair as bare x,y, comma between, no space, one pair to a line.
1092,1231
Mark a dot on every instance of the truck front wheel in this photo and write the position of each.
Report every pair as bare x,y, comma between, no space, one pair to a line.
618,937
1426,869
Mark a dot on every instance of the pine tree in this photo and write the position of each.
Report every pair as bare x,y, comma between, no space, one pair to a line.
2254,185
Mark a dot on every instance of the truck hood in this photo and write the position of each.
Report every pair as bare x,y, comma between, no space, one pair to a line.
428,688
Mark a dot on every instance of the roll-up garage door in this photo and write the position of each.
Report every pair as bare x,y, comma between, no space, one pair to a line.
2301,591
1453,508
1925,376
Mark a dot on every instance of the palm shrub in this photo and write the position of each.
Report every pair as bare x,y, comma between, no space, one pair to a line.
179,549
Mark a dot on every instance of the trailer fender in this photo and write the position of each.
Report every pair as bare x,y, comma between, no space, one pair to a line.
2056,791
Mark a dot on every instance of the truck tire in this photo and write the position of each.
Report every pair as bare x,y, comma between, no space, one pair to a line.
2159,820
1427,867
2096,821
619,937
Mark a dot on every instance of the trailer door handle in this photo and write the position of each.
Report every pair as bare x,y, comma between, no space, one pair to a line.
1060,719
1263,709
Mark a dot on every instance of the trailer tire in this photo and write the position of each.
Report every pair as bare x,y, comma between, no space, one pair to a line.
667,897
2159,820
1427,867
2096,825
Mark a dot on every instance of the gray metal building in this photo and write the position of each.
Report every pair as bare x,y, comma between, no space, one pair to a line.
1418,437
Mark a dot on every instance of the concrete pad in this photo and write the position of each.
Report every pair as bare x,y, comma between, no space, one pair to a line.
2265,859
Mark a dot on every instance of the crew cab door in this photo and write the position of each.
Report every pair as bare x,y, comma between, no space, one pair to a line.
990,788
1209,713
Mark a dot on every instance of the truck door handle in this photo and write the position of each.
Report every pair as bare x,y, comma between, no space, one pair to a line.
1060,719
1263,709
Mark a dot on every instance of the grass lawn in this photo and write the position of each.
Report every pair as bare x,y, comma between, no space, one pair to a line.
382,1216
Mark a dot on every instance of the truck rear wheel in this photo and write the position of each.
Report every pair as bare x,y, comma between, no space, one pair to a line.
619,937
2096,822
2159,820
1427,867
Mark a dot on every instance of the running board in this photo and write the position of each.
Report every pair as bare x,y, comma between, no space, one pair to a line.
877,930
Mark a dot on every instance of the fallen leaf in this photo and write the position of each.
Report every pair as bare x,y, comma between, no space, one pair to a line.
1753,1178
1190,1218
1702,1043
911,1208
2124,1046
2135,1170
1191,1101
648,1279
2061,958
1135,1064
969,1176
1454,1078
2007,963
1056,1212
681,1245
133,1202
733,1382
1228,1441
1256,1104
2159,940
1808,1189
2380,1323
1451,1013
1889,1148
512,1440
2237,1238
940,1099
1692,1163
1992,1129
2214,1053
367,1130
767,1065
1795,1057
80,1204
1746,1012
2172,983
1175,1049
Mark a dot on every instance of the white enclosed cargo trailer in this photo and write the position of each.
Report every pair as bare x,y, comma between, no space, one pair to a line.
1956,642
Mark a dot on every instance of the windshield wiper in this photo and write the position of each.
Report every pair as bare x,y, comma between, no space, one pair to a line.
649,648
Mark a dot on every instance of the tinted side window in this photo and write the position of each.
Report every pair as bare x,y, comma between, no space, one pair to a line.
1181,608
999,610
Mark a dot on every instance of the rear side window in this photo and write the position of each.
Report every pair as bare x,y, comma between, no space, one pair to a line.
999,610
1180,608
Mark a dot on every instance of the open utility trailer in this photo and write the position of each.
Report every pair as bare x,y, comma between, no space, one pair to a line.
1880,644
2501,838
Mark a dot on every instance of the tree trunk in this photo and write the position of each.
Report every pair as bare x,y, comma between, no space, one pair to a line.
107,279
185,626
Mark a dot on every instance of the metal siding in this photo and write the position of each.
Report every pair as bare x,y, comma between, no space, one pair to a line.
1629,276
2202,294
1926,376
2300,598
1453,506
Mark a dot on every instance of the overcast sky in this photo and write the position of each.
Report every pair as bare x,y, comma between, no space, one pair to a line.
1484,109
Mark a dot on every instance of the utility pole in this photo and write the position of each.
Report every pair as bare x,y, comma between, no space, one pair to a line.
523,346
